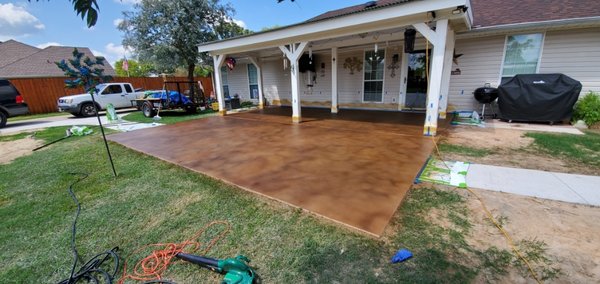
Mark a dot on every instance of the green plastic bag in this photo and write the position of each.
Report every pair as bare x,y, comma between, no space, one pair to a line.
80,131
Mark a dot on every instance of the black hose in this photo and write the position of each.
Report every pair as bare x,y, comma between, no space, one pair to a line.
92,270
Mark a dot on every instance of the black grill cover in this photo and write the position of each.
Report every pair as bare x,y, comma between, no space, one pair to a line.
538,97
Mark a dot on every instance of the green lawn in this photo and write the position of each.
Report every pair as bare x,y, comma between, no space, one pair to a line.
167,117
464,150
34,116
579,148
153,201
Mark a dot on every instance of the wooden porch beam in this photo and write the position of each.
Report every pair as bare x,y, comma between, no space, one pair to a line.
445,88
334,79
218,62
293,52
438,39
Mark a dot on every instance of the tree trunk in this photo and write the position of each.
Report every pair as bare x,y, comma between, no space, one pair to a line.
191,67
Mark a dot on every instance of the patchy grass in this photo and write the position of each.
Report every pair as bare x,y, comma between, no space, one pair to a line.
36,116
168,116
153,201
50,134
464,150
580,148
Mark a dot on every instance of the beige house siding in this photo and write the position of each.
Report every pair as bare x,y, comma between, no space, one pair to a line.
276,81
480,63
237,80
575,53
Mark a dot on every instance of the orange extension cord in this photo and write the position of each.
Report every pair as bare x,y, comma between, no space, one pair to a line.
158,261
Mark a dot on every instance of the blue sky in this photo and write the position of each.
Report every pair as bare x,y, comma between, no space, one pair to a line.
54,22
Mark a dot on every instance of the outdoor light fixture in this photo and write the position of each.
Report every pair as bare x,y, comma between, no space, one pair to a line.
460,9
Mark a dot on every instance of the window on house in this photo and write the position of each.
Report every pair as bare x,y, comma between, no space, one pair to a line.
253,81
224,81
522,54
373,74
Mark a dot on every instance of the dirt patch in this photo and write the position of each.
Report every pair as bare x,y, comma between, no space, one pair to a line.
510,148
569,230
10,150
487,138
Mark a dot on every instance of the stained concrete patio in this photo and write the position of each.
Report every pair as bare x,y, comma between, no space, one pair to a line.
354,167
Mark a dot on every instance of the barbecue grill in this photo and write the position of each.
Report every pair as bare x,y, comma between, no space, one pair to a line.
486,95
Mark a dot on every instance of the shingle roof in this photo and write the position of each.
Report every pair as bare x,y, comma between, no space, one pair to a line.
488,13
11,51
367,6
41,63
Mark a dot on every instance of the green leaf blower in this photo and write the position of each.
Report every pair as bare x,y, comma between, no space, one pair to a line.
236,270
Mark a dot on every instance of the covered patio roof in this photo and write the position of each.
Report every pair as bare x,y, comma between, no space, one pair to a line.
374,22
378,18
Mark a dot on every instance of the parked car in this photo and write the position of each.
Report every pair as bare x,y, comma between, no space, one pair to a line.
120,95
11,102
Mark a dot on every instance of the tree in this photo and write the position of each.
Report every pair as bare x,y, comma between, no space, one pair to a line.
167,33
87,9
136,69
87,73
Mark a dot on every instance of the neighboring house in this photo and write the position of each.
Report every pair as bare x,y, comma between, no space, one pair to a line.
19,60
470,43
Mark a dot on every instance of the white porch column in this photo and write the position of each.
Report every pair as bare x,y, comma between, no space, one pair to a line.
403,78
448,57
256,63
293,52
438,39
334,90
218,61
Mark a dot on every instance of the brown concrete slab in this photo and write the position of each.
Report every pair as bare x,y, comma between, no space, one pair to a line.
354,167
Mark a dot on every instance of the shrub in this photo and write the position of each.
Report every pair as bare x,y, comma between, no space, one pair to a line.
588,109
246,104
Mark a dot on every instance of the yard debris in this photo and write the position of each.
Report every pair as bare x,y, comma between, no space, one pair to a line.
445,172
401,256
73,131
471,118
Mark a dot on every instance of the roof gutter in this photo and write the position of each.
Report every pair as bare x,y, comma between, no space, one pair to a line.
553,24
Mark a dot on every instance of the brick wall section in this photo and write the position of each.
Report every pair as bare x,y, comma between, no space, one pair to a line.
488,13
41,94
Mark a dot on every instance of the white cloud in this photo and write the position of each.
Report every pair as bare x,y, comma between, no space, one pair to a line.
15,21
98,53
240,23
117,22
113,52
44,45
128,2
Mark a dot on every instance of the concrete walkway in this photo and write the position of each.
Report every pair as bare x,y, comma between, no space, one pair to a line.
66,120
548,185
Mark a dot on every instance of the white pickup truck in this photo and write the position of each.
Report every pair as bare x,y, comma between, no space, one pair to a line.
119,95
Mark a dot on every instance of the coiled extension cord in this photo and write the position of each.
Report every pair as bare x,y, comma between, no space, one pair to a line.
101,268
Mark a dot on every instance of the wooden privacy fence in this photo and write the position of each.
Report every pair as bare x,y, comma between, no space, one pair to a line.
41,94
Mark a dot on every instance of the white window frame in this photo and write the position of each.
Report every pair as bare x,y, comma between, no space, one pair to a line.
249,83
225,72
362,98
537,68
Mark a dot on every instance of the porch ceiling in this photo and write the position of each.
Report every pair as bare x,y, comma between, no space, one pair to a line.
342,28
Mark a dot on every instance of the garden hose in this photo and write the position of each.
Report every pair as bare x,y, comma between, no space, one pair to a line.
94,269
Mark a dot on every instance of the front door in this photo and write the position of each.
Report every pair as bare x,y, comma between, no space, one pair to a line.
416,81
